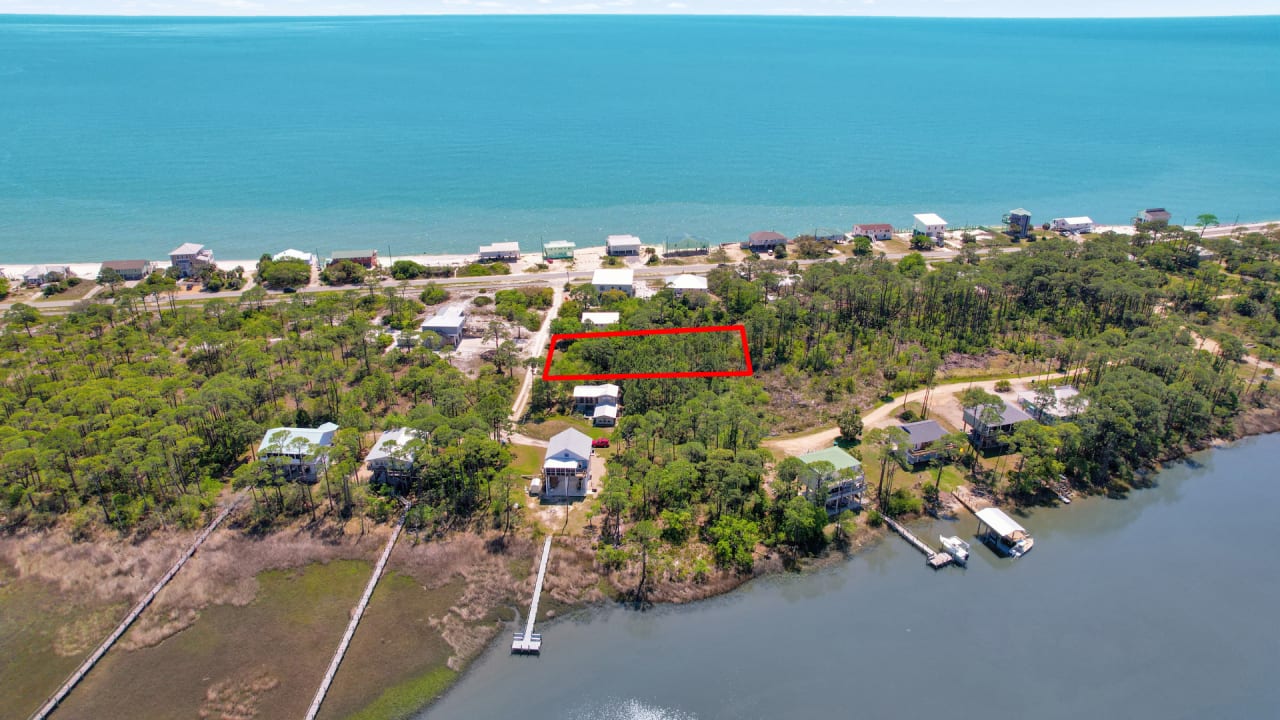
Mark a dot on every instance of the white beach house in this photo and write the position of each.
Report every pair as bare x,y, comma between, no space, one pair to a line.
392,456
682,284
503,251
190,257
929,224
1081,224
600,319
449,323
875,231
620,245
298,451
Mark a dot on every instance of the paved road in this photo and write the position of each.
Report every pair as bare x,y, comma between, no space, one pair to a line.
1220,231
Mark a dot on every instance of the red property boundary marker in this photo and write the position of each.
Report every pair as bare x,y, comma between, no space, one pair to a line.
740,329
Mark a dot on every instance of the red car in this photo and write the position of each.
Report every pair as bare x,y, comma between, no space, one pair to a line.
600,443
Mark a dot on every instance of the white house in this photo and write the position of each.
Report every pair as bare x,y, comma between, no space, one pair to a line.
391,455
988,432
682,284
600,319
566,470
40,274
875,231
604,416
449,323
190,257
598,402
504,251
622,245
606,279
291,254
1081,224
929,224
298,450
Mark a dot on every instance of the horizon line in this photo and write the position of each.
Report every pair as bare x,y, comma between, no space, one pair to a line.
352,16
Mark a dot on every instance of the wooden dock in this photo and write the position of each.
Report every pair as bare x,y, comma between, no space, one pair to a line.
529,642
934,559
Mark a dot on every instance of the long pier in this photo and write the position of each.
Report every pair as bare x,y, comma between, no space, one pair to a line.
530,642
129,619
935,559
355,619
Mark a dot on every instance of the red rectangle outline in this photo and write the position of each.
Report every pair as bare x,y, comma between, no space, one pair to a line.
740,329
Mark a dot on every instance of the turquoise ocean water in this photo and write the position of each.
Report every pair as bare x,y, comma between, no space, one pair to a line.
125,137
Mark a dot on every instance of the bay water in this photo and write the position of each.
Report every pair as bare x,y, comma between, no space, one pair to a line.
123,137
1160,605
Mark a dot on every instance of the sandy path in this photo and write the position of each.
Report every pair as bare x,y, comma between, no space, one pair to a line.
533,349
1211,345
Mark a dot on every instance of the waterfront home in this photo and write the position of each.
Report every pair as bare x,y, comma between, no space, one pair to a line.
989,424
558,250
566,470
189,258
929,224
367,259
764,241
1018,222
874,231
1003,533
829,235
682,284
600,319
921,437
292,254
129,269
606,279
501,252
840,473
1081,224
1153,215
391,459
1053,404
38,275
621,245
297,451
450,323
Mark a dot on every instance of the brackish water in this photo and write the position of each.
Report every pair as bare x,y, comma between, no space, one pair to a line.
125,137
1161,605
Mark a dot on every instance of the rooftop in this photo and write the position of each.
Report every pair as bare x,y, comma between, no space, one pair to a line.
352,254
501,247
687,282
389,441
875,227
1080,220
187,249
575,441
553,244
1002,524
595,391
282,439
621,240
924,431
1020,211
834,455
126,264
766,236
292,254
611,276
451,316
1009,414
929,219
601,318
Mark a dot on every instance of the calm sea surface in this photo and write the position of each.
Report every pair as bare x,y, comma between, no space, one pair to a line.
1158,606
125,137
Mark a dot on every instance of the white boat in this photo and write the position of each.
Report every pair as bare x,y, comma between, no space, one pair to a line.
956,548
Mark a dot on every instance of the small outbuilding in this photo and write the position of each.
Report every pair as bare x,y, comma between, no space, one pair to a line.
622,245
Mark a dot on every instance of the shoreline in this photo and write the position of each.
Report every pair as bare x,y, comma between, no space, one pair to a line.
88,269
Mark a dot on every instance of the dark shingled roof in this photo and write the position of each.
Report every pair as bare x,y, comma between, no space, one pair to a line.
125,264
765,236
923,432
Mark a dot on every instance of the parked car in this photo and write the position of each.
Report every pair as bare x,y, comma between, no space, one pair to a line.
600,443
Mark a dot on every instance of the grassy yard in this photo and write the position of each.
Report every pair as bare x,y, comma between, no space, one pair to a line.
528,459
559,423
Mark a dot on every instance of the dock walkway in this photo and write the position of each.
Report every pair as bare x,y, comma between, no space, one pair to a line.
935,559
355,619
528,641
129,619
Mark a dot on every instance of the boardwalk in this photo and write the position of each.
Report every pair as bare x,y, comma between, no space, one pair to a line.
355,619
528,641
115,635
935,559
